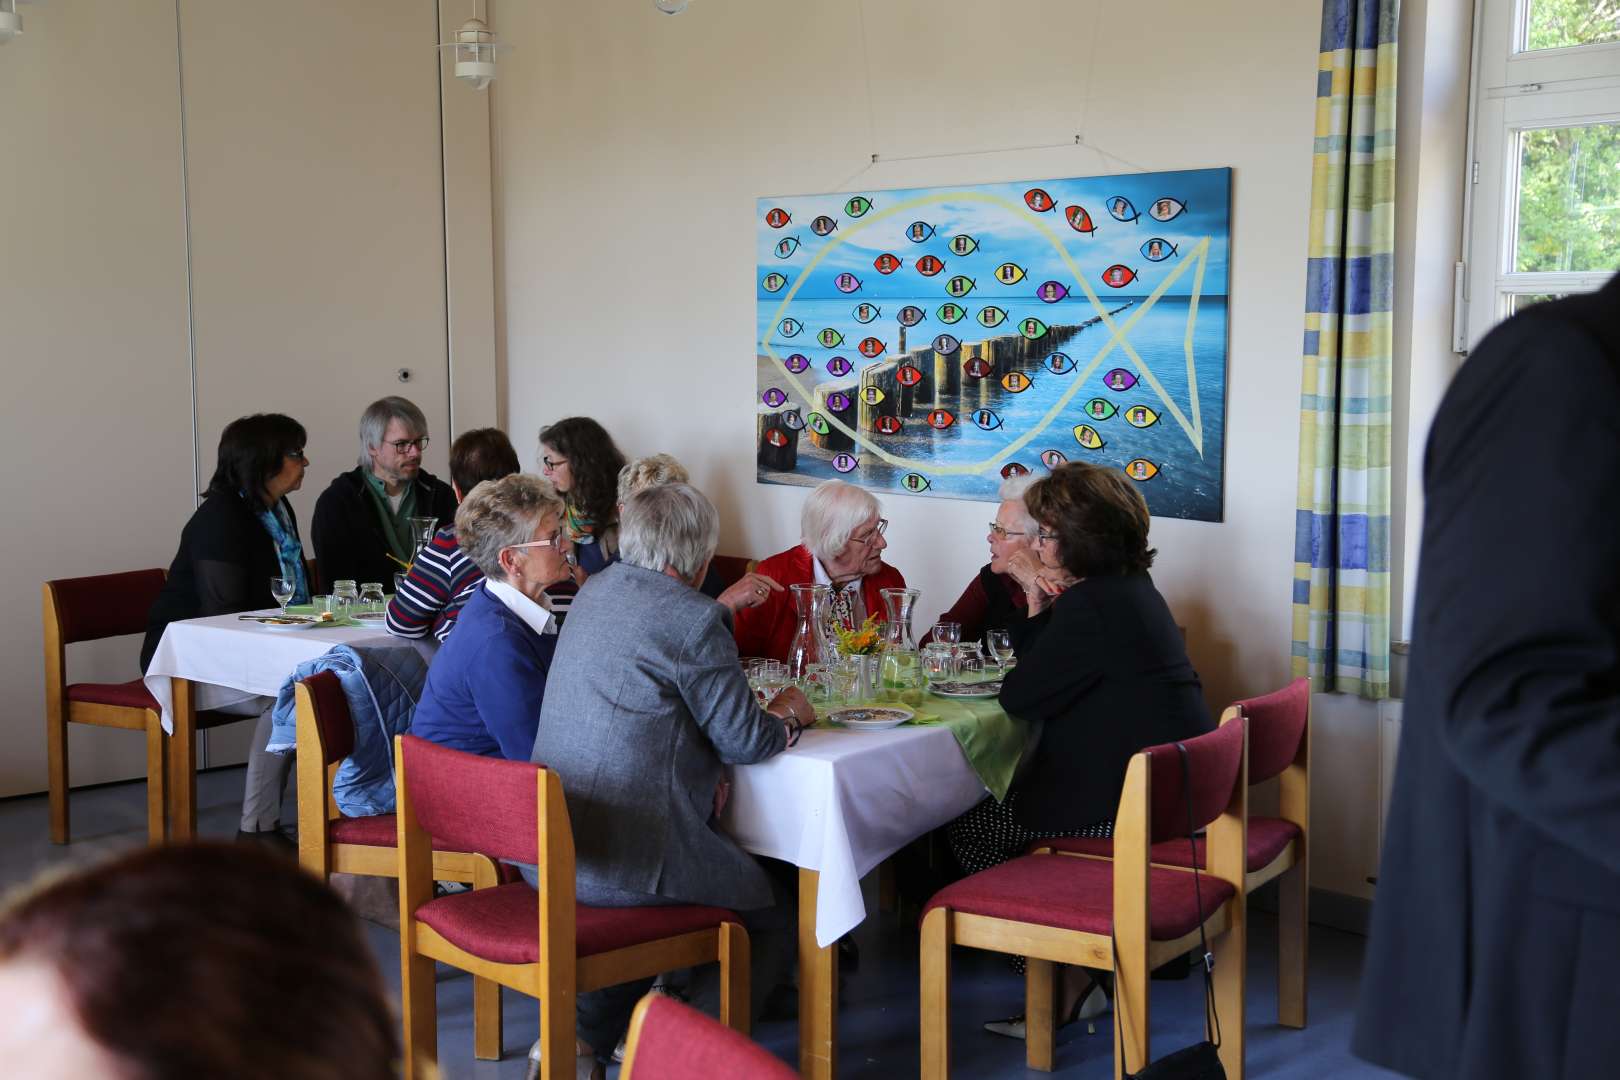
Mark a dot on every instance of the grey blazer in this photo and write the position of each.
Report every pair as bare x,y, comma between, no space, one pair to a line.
644,703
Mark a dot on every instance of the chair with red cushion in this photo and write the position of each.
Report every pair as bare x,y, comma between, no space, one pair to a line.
1279,746
1121,914
539,942
671,1041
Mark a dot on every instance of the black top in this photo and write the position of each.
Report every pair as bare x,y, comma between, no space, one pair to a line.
225,563
1105,670
347,536
1497,926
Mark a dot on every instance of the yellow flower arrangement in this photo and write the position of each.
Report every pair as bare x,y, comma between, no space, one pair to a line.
865,641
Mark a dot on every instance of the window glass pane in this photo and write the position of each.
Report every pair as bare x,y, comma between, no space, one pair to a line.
1569,199
1558,24
1517,302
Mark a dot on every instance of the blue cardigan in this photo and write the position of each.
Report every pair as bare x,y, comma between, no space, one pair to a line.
485,685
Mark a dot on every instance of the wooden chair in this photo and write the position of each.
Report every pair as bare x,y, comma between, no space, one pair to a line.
670,1041
1124,914
539,942
1279,746
732,568
89,609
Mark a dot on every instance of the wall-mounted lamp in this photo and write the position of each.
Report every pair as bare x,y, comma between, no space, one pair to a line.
474,47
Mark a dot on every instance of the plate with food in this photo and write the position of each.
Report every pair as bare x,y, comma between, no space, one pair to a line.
284,622
370,618
959,689
871,717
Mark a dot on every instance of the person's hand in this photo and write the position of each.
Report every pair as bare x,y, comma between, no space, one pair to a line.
1041,583
791,702
751,590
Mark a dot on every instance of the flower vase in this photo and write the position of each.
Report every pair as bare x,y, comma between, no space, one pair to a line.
866,676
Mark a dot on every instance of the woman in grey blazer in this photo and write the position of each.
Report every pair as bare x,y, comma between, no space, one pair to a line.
645,705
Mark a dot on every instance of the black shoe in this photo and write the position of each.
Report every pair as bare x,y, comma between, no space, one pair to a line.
849,954
270,839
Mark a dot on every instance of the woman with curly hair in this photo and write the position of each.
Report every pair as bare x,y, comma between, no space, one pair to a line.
580,459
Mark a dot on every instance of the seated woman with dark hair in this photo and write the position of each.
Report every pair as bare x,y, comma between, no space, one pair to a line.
243,534
1102,668
582,462
486,684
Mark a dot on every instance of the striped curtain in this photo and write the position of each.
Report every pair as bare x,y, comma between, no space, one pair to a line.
1341,529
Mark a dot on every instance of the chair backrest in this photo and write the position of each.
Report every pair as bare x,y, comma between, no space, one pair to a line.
105,605
669,1041
1214,765
468,802
731,568
1277,724
333,723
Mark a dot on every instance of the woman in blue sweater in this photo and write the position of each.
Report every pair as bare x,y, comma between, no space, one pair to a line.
485,686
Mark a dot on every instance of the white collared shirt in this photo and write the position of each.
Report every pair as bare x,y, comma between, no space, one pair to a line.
537,616
857,601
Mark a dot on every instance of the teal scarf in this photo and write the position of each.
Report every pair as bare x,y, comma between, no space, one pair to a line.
289,552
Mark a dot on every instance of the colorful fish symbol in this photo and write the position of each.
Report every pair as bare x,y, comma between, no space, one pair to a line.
1165,208
871,347
1099,408
789,327
1038,200
911,315
838,401
886,263
797,363
929,265
918,231
1051,292
1015,382
1141,416
887,425
992,316
1087,436
857,206
908,375
830,338
792,420
987,419
941,419
1078,219
945,344
1119,379
776,437
823,225
838,367
1059,363
865,313
847,282
773,282
777,218
915,482
773,397
873,395
1118,276
959,286
845,462
950,313
1157,249
1009,273
963,244
1033,329
1121,209
1052,458
976,368
786,246
1012,469
818,424
1141,469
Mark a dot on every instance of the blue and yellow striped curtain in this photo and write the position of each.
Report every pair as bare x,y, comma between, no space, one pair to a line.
1341,530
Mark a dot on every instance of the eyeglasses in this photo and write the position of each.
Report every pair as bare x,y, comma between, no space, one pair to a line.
553,463
1044,537
550,541
402,445
877,530
298,456
1001,533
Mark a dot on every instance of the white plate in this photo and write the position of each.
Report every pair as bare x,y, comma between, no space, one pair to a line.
966,689
369,616
304,622
871,717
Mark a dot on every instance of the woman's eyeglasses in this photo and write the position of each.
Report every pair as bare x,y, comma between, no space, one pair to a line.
1044,537
553,463
548,542
1001,532
298,456
876,531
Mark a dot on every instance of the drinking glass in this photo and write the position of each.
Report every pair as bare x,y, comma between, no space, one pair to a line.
371,596
970,667
970,650
999,644
773,679
841,674
936,661
949,633
282,588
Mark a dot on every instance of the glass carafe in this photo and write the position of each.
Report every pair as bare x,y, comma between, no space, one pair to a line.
810,642
901,670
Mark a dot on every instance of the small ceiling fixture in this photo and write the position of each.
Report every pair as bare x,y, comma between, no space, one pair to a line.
10,21
474,47
670,7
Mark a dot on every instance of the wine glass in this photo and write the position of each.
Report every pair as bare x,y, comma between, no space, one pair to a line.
949,633
773,679
282,588
999,644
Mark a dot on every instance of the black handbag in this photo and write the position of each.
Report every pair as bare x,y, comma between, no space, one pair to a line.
1201,1060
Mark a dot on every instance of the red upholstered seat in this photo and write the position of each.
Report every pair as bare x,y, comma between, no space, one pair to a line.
125,695
503,924
380,830
1078,894
1268,838
670,1041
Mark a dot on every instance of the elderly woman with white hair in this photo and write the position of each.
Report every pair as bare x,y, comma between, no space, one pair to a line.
486,684
994,599
842,546
648,705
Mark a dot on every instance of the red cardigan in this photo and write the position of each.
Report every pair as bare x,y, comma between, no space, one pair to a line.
767,630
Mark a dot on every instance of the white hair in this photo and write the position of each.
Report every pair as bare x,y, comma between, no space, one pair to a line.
831,514
650,471
499,513
374,423
670,525
1013,489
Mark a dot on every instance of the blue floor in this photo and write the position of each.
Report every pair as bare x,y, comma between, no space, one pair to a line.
878,1014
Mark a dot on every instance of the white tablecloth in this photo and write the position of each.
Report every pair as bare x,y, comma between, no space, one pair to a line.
843,801
232,660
